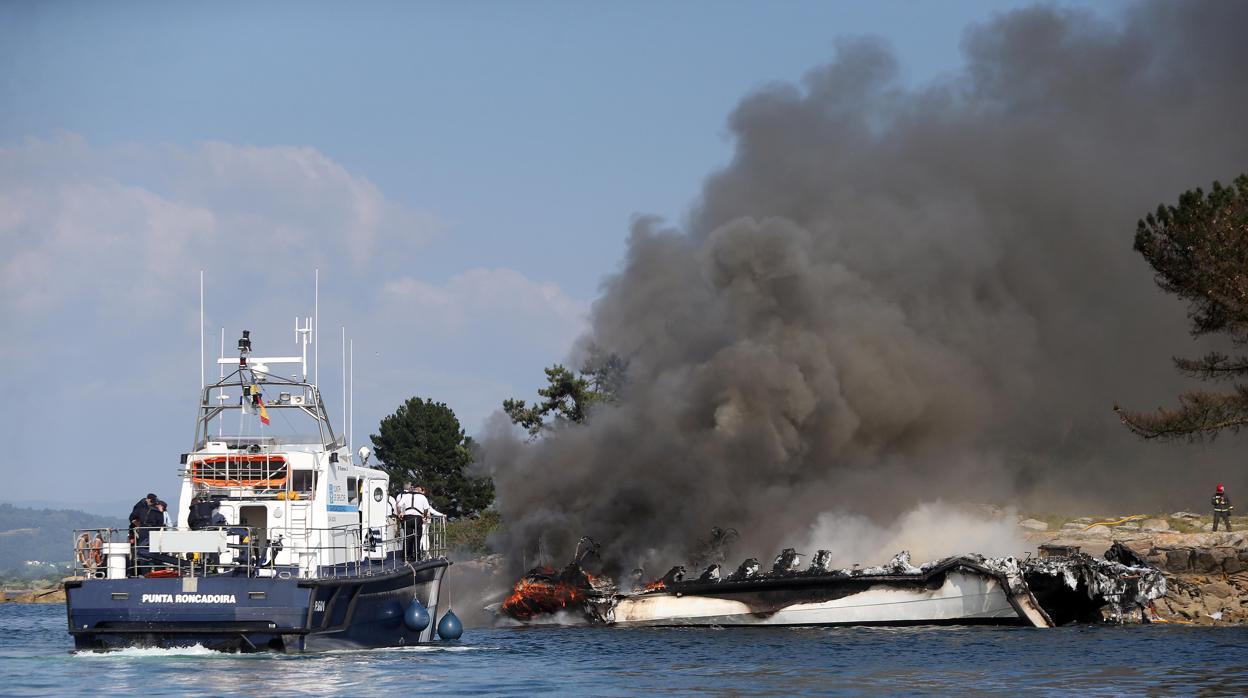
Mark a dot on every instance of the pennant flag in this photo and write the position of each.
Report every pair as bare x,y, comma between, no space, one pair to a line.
264,414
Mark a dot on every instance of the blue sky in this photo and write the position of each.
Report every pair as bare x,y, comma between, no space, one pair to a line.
462,173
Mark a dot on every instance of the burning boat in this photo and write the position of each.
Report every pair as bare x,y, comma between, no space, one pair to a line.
963,590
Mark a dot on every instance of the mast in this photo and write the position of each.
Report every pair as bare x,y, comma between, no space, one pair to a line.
351,401
344,376
201,330
316,330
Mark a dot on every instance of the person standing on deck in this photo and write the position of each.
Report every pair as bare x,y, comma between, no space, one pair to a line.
1222,508
412,508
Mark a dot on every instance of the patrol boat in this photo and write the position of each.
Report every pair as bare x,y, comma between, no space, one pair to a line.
303,556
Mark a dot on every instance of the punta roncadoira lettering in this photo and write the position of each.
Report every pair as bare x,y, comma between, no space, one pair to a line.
188,598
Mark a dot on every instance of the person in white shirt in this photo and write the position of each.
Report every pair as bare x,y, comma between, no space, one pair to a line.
413,509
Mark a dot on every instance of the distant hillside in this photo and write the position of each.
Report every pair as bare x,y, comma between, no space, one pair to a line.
43,535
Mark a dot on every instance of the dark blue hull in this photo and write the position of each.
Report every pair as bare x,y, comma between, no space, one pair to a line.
249,614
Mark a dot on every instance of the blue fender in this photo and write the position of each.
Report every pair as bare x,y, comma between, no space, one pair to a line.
417,616
449,628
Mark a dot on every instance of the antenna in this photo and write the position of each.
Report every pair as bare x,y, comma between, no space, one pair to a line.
220,377
301,338
344,376
316,330
201,330
351,399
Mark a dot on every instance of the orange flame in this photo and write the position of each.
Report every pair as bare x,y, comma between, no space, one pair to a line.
532,597
656,586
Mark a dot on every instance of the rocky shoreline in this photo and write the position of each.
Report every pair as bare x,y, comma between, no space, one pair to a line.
1206,572
52,594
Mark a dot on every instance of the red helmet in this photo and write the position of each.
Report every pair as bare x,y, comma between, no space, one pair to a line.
1219,488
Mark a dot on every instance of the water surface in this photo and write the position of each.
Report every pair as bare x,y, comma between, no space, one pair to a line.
36,658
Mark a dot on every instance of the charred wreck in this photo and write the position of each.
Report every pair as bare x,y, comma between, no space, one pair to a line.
968,589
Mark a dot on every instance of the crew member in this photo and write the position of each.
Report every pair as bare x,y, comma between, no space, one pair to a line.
166,521
200,514
430,514
1222,508
412,508
138,518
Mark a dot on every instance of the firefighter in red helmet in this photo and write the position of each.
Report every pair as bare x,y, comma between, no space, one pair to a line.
1222,508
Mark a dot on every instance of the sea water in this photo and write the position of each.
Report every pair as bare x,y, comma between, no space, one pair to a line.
37,658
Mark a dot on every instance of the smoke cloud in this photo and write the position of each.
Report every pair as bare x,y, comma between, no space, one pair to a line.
930,531
892,294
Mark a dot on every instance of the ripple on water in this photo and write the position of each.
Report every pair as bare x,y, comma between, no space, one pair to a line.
36,658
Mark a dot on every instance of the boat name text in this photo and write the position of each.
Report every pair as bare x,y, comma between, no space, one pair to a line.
188,598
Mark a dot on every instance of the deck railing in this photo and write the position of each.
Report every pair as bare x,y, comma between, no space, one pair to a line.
304,553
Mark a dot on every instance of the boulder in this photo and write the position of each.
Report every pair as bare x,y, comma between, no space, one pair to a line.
1179,560
1098,531
1033,525
1184,515
1072,526
1156,525
1207,560
1233,564
1219,588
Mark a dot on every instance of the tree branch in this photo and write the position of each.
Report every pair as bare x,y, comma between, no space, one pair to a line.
1200,415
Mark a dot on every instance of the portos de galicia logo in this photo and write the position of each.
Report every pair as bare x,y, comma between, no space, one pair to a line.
187,598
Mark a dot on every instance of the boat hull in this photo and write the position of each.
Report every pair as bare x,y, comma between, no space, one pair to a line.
961,598
250,614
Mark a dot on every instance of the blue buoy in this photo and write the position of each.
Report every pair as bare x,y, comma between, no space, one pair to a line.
449,628
417,616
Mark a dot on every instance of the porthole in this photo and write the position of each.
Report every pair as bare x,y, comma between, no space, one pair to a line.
378,494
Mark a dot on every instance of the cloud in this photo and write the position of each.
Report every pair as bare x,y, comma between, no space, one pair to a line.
98,296
137,216
492,296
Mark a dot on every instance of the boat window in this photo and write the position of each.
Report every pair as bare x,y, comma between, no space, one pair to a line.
304,482
353,490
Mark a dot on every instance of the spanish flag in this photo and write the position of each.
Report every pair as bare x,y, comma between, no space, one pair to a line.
264,414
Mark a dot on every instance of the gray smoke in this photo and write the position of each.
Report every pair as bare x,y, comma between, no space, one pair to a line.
892,294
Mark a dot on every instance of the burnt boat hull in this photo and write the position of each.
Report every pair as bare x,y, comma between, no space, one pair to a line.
960,597
254,613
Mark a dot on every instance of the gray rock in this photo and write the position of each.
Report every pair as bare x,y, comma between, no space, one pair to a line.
1206,560
1072,526
1098,532
1233,564
1155,525
1033,525
1179,560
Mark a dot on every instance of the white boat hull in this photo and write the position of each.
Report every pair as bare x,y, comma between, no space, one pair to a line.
963,598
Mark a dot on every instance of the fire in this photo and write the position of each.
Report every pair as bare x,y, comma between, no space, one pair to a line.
657,585
532,597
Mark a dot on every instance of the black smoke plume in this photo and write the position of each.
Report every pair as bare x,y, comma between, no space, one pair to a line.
893,294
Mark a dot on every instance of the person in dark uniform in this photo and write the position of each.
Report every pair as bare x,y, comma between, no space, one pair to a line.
1222,508
138,518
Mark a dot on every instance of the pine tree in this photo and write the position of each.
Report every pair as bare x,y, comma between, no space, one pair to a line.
423,442
1199,251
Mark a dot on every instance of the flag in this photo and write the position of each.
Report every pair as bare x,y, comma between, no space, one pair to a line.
264,414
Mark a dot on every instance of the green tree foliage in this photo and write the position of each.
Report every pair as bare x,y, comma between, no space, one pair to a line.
568,397
424,443
1199,251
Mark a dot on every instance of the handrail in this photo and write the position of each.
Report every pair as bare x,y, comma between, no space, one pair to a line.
275,551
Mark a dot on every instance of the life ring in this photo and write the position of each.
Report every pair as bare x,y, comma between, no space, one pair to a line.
81,549
97,552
